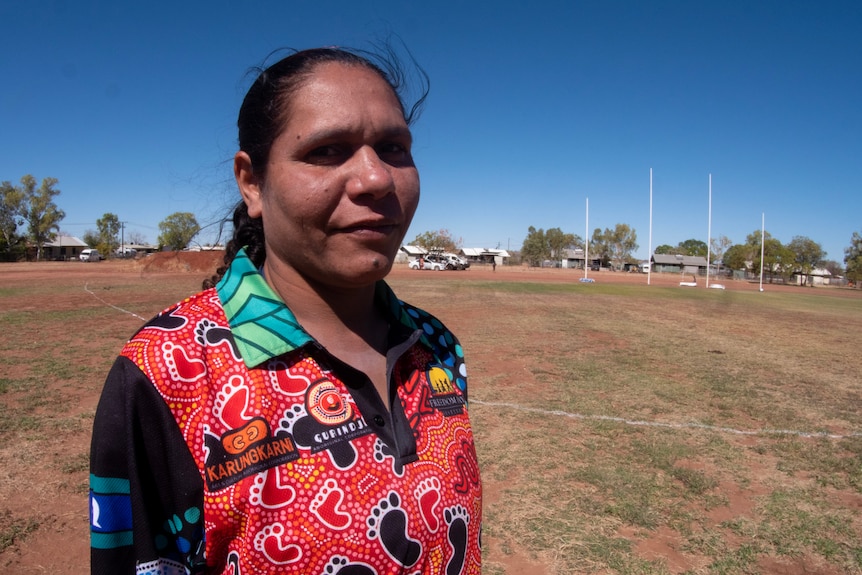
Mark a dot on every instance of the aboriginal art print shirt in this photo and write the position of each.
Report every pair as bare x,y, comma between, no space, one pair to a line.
227,440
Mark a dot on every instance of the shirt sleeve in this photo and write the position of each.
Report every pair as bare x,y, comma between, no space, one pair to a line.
146,493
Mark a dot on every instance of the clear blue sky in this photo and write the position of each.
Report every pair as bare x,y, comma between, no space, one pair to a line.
534,107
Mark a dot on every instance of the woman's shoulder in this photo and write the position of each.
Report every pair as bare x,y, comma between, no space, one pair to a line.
422,318
184,322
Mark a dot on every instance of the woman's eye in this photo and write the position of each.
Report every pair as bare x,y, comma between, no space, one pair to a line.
394,153
325,154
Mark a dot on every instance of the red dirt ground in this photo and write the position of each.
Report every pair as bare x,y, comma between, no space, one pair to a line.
60,543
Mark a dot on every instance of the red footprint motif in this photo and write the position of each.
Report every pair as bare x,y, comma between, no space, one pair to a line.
427,494
267,490
284,381
326,503
269,541
232,403
181,367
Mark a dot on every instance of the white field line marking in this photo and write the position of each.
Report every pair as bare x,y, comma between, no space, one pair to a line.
86,289
667,425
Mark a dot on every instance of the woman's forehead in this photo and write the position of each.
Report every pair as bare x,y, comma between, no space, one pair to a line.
334,92
345,80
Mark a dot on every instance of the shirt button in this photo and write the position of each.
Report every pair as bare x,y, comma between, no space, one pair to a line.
379,421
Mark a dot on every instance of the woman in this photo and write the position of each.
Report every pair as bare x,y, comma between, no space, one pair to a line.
296,417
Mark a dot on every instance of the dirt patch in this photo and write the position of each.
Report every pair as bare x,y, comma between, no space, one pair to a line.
204,262
59,365
559,275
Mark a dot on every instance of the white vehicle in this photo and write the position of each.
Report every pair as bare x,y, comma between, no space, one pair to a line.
455,262
429,262
90,256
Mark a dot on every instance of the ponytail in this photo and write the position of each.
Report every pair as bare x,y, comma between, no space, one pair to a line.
248,234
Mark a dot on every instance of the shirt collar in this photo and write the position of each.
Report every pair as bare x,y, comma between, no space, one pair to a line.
262,324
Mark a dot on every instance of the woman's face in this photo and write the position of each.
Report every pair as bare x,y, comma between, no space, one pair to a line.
340,188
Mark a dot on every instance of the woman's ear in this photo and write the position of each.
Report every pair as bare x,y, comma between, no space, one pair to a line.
249,185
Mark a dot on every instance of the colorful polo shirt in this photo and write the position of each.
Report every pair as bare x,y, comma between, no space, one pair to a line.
227,440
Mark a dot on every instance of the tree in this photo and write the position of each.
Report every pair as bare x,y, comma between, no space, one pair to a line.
738,257
771,257
599,246
834,268
625,241
41,214
615,245
692,247
718,246
785,261
11,216
752,245
777,258
853,259
439,241
91,238
535,248
664,249
136,238
109,230
177,230
558,241
807,254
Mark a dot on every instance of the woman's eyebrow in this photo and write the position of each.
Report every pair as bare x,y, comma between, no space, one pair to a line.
337,133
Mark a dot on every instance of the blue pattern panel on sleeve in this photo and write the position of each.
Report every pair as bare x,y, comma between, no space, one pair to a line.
110,512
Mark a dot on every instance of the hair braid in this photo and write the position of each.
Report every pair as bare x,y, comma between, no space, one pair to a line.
248,234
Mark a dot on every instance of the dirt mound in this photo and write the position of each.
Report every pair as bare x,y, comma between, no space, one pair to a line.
199,262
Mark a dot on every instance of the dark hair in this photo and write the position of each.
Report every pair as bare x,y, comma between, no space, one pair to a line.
264,113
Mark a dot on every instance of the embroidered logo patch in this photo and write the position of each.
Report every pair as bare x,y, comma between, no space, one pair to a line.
245,451
444,397
326,405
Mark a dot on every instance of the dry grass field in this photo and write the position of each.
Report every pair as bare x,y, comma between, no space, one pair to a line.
621,428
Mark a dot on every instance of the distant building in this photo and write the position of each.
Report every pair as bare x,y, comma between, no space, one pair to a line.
817,277
63,248
675,263
576,258
484,255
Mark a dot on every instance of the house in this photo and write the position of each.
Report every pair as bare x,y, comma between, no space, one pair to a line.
483,255
63,248
573,258
414,251
817,277
472,254
409,253
138,250
675,263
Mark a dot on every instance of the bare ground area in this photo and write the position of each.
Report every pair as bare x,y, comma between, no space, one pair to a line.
44,475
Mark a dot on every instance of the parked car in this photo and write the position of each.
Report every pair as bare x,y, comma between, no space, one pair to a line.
429,262
455,262
448,261
89,255
127,252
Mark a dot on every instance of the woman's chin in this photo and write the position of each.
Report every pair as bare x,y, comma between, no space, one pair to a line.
365,270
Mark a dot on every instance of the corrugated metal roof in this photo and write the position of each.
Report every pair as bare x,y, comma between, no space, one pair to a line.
66,242
414,250
678,260
477,252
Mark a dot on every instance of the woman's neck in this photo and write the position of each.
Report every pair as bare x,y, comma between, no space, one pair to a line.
345,321
328,313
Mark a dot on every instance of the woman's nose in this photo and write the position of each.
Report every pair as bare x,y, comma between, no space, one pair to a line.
371,175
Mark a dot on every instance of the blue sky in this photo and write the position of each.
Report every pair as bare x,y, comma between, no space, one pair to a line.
534,107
